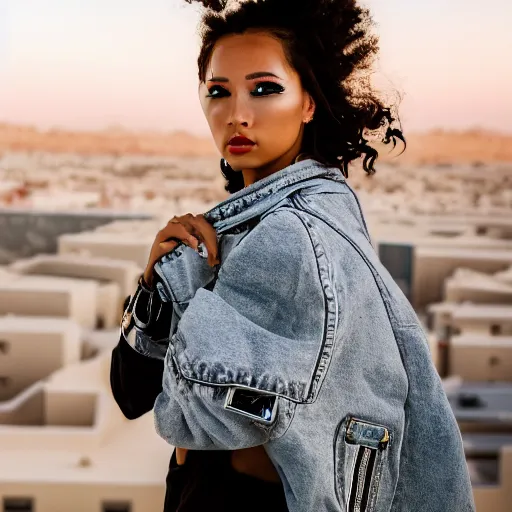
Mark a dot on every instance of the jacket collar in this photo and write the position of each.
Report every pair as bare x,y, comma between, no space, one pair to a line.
258,197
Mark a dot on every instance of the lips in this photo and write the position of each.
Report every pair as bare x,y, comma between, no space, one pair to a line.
239,144
240,140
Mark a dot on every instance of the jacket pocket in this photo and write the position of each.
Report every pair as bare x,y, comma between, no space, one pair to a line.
360,450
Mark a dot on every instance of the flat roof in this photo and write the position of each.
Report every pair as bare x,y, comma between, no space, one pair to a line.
505,275
132,454
122,238
483,312
442,307
33,324
128,452
482,340
470,311
408,235
493,402
462,253
478,285
482,444
46,283
77,258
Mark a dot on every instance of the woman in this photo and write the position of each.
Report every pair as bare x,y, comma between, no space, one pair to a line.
265,334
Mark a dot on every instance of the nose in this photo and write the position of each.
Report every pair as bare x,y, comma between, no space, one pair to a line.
240,114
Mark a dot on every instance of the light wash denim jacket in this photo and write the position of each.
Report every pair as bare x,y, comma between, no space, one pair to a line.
300,307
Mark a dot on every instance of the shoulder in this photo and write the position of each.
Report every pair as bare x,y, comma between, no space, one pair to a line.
272,278
280,243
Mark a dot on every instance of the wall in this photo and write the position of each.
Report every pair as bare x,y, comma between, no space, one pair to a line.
25,233
432,270
86,497
20,365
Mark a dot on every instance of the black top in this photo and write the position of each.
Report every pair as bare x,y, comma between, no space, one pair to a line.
206,481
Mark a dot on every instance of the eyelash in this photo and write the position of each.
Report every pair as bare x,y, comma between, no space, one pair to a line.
279,90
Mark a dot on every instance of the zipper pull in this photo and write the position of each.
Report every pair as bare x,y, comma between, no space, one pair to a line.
385,440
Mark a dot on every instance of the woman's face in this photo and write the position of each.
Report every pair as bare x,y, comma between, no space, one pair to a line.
252,91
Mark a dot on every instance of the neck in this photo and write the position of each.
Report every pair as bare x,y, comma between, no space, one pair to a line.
253,175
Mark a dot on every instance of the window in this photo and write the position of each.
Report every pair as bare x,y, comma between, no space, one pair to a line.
4,347
18,505
116,506
495,329
483,469
494,361
399,261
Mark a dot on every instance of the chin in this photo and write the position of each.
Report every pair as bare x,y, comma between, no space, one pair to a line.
245,161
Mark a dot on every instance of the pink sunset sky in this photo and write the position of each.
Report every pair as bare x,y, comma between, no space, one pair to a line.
132,63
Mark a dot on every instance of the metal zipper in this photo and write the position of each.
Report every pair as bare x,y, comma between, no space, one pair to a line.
362,484
362,478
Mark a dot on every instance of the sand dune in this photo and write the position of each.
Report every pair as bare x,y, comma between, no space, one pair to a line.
436,147
107,142
443,147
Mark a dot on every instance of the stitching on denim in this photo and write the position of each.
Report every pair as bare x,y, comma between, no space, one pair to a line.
328,338
237,201
378,280
289,414
218,374
354,195
387,305
339,454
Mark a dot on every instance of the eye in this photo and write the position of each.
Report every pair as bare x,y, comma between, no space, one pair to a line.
267,88
216,91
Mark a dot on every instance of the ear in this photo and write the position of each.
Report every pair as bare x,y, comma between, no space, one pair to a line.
309,106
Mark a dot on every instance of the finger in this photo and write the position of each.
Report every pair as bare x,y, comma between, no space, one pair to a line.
178,231
208,236
198,231
168,246
211,241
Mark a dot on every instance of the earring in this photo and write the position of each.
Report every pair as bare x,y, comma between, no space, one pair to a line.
225,168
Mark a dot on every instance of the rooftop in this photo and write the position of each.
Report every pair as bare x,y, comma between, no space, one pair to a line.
42,324
481,402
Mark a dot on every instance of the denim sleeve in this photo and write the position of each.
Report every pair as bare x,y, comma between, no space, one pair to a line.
260,328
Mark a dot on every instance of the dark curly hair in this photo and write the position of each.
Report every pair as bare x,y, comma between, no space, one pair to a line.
330,45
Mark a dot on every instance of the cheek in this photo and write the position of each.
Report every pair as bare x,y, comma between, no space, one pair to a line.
217,112
279,120
281,108
215,117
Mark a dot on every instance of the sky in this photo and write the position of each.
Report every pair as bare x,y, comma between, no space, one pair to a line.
92,64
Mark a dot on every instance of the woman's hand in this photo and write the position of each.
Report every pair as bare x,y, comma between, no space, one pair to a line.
189,229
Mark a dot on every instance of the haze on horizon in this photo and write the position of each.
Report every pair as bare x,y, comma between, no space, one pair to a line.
91,65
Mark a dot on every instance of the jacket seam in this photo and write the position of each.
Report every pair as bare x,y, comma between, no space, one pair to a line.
354,195
378,281
376,278
324,333
306,396
317,375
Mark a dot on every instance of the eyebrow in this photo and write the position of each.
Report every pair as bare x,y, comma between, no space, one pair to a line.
250,76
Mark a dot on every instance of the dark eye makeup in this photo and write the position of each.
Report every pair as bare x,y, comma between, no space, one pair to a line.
261,89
